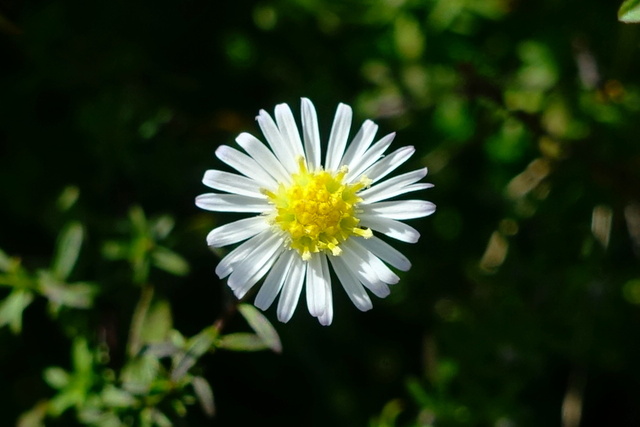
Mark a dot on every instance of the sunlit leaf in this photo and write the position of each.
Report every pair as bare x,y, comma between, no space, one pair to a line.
261,325
114,397
67,250
68,198
157,323
75,295
11,309
242,341
5,261
205,395
138,374
195,348
629,12
170,261
56,377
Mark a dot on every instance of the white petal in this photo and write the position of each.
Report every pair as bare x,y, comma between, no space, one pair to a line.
364,273
245,165
263,156
326,317
375,265
390,227
400,209
236,231
311,134
232,183
276,142
386,165
252,268
360,143
395,186
338,137
386,252
226,266
231,203
273,283
352,286
291,289
315,286
289,130
371,156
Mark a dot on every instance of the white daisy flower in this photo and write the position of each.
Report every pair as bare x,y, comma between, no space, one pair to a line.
310,215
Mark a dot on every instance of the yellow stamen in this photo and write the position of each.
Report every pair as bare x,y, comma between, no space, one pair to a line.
317,211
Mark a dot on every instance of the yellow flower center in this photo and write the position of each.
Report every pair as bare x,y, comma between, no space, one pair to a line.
318,210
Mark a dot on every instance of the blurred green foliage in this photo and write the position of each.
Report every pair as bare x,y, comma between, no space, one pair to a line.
524,300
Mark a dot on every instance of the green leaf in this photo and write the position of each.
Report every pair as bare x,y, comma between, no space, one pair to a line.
205,395
34,417
112,397
68,198
76,295
138,374
56,377
629,11
261,325
5,262
242,341
195,348
67,250
157,323
11,309
169,261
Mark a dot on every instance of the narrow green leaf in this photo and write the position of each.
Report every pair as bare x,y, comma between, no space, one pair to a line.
157,323
242,341
5,262
630,11
112,396
56,377
205,395
82,357
162,226
169,261
261,325
67,250
68,198
11,309
76,295
195,348
138,374
35,416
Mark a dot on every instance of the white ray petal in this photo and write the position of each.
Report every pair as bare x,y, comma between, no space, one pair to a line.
399,181
393,192
371,156
232,183
231,203
245,165
338,137
227,264
326,317
291,290
315,286
386,165
400,209
236,231
352,286
386,252
274,281
276,141
360,143
390,227
375,265
247,272
289,130
364,273
264,157
311,135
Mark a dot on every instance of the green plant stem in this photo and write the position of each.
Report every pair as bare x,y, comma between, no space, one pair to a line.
134,344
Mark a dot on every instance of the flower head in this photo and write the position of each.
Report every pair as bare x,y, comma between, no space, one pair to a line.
308,215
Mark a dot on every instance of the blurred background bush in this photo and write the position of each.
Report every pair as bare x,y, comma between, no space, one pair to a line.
523,305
